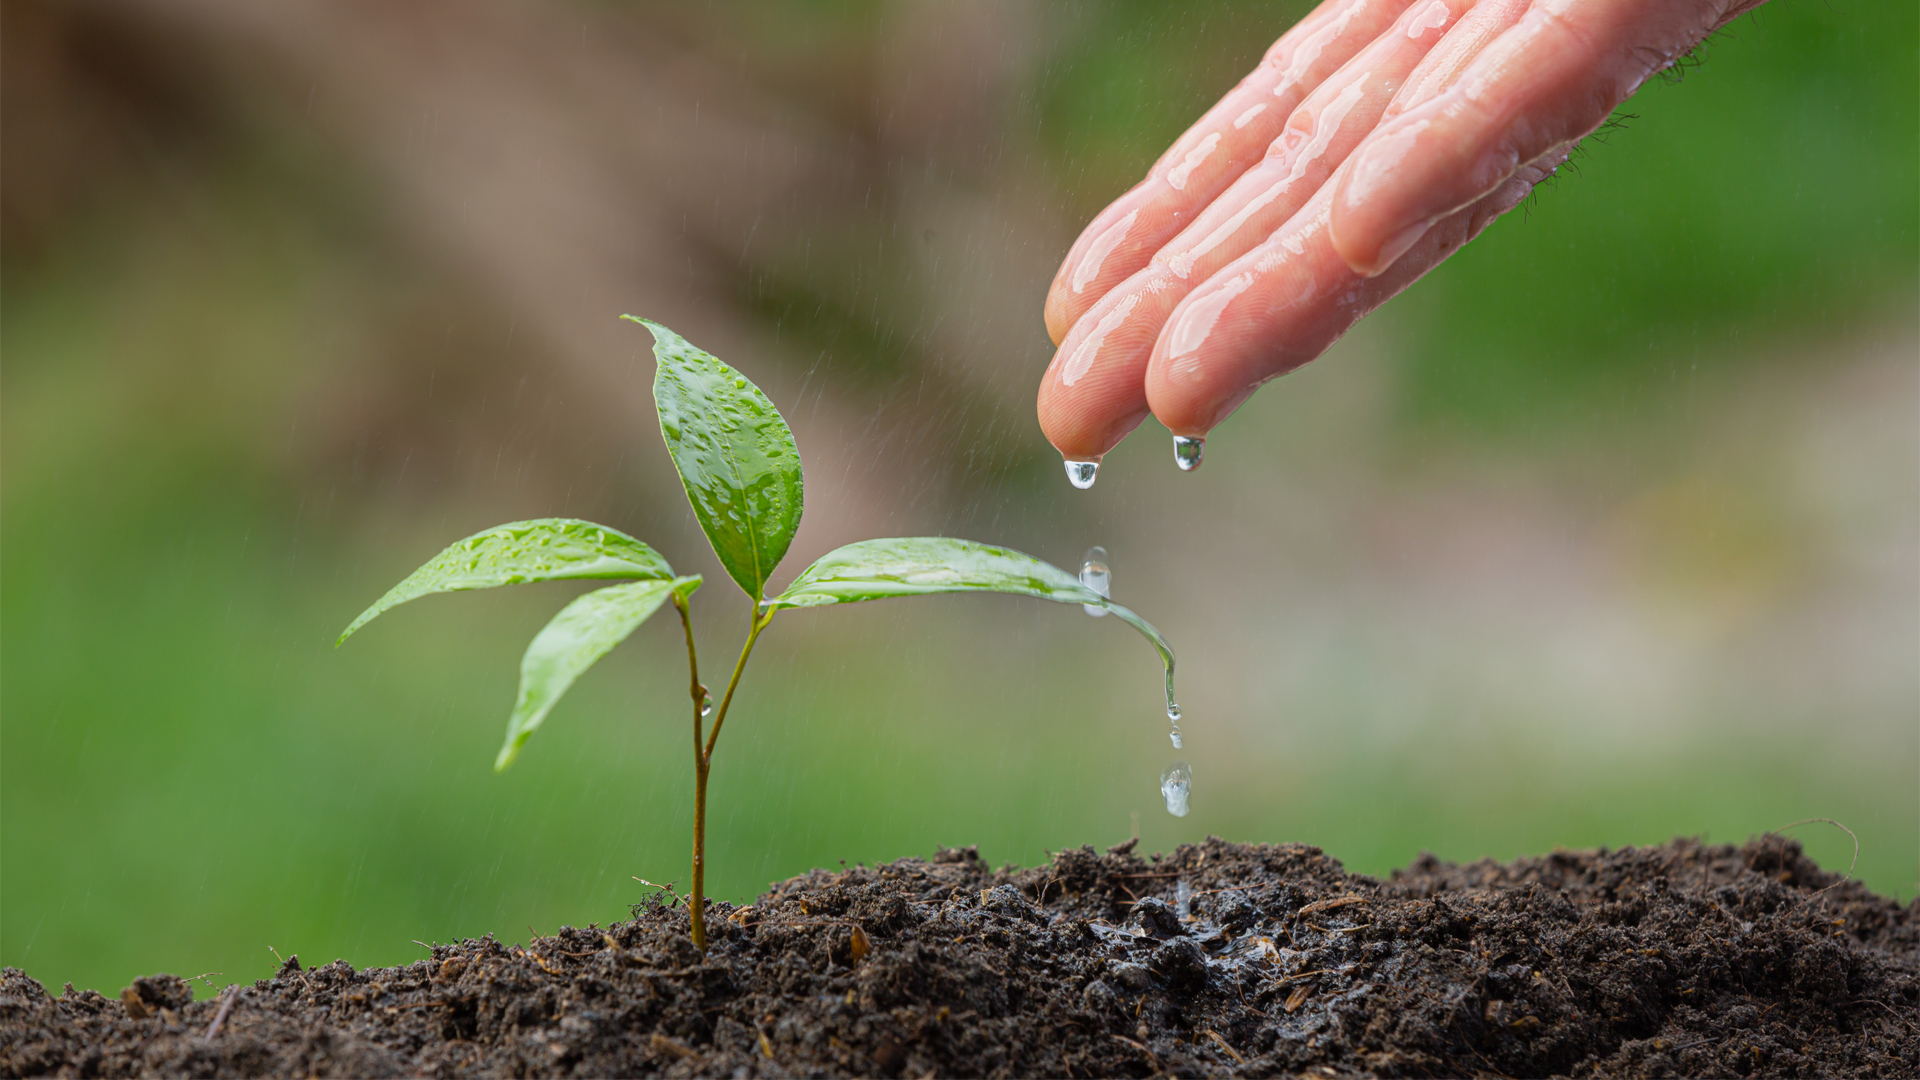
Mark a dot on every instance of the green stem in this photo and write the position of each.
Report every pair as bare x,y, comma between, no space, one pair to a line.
702,762
695,686
699,692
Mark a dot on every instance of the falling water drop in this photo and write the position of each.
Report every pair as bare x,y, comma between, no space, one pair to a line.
1187,451
1081,473
1175,784
1183,900
1095,575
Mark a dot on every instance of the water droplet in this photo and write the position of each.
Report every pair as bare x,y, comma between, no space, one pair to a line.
1183,900
1173,717
706,706
1095,575
1176,784
1081,473
1187,451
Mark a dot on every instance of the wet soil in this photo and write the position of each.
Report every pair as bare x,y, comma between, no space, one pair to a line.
1218,959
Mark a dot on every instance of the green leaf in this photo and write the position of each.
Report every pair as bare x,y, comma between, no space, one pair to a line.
911,566
550,549
582,633
735,455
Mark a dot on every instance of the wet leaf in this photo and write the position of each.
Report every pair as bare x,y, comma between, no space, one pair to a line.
911,566
548,549
582,633
735,455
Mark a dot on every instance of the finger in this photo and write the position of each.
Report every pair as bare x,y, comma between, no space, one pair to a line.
1551,78
1094,392
1464,41
1227,140
1283,303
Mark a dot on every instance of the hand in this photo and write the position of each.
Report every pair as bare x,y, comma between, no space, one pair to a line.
1374,140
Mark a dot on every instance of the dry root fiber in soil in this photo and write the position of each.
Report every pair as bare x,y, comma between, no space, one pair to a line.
1218,959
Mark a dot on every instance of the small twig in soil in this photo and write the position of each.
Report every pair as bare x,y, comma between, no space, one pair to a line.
1329,905
1231,1052
300,972
1698,1042
1142,1047
662,1043
667,888
226,1006
1842,828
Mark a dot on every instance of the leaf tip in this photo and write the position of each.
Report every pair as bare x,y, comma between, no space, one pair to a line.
661,334
365,618
506,756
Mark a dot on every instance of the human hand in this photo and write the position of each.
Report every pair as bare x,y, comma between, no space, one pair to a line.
1375,139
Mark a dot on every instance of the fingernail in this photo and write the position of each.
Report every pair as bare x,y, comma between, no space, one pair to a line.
1188,450
1395,247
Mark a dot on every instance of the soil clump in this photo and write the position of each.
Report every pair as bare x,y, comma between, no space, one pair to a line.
1218,959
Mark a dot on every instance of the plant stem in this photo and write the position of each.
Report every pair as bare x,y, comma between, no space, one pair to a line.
702,761
696,687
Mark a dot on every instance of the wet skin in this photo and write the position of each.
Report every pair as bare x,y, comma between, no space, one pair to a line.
1374,140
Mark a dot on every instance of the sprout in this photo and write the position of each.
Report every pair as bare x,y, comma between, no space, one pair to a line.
737,459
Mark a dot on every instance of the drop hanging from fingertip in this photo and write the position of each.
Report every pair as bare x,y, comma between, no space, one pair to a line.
1081,474
1188,450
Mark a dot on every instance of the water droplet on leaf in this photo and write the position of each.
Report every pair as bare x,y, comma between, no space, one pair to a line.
1187,451
1081,473
1095,575
1175,785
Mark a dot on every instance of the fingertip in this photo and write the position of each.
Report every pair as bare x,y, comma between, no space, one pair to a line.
1079,435
1370,260
1055,312
1085,421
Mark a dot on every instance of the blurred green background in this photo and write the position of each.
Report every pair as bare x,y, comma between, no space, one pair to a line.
1607,531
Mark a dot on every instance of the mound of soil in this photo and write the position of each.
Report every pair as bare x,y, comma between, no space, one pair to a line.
1683,959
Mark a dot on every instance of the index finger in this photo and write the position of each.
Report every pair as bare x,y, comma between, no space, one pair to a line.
1230,138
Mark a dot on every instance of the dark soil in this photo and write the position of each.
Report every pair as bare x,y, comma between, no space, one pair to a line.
1677,960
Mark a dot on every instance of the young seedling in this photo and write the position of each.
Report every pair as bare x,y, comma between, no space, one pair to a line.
738,462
